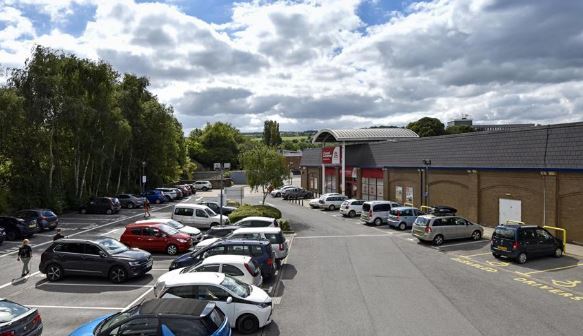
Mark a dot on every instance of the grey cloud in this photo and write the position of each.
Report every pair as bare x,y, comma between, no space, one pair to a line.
214,101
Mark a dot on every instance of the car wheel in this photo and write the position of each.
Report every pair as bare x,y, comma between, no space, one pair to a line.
130,205
158,201
352,213
83,211
331,207
247,324
378,222
213,225
11,235
558,252
402,226
109,211
54,272
521,259
117,274
476,235
168,199
438,240
278,195
172,249
205,188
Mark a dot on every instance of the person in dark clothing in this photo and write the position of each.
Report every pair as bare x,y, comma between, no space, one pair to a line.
146,208
24,254
58,235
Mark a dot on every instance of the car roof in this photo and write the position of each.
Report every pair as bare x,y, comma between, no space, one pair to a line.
226,259
225,227
175,306
258,230
259,218
83,240
243,242
200,278
518,226
139,224
192,206
403,208
380,202
154,221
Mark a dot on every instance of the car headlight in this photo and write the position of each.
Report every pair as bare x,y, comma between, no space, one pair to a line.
264,305
134,263
182,240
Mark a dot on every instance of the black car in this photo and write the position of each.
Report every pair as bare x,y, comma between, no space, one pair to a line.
104,257
217,208
106,205
2,235
130,201
297,193
17,227
45,218
220,231
521,242
18,320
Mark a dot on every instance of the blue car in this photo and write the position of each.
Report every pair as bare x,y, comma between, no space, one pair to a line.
155,196
19,320
162,317
45,218
259,250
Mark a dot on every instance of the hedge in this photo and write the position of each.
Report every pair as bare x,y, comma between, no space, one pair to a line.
254,210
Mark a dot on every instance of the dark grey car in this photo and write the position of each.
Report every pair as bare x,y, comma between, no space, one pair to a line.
130,201
16,319
103,257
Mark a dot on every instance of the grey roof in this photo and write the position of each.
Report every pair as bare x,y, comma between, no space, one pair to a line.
542,147
362,135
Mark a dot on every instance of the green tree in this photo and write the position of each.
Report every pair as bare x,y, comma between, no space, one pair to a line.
427,126
458,129
218,142
264,166
271,134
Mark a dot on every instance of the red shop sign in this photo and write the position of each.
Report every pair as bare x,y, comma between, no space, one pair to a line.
331,155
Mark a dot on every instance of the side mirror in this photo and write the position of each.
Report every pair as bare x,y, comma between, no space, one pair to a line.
205,255
102,254
229,300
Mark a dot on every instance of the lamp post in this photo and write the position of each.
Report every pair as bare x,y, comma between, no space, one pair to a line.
427,164
143,179
222,167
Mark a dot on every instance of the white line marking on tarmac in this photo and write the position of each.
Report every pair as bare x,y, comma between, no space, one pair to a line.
74,307
160,269
112,231
19,280
388,234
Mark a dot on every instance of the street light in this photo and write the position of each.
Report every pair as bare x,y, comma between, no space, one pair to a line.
222,167
143,179
427,164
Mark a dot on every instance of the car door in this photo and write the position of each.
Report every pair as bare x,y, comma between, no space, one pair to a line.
545,242
157,239
186,216
201,219
462,227
71,257
528,239
93,260
220,296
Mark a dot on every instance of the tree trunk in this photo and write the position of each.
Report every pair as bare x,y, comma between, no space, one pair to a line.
110,167
129,167
100,173
119,174
76,168
82,187
51,162
264,194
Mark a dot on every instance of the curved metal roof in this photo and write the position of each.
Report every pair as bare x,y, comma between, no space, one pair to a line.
362,135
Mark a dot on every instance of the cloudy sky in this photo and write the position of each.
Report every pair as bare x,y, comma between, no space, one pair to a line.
325,63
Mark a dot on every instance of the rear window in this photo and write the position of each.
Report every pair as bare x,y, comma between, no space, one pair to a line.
366,207
256,250
10,310
382,207
253,267
49,214
421,221
502,232
275,238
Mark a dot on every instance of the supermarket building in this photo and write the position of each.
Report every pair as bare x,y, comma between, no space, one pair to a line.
534,174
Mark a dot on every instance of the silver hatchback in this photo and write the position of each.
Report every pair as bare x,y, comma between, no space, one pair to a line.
439,229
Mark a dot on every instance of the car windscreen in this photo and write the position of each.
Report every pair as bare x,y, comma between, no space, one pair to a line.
275,238
420,221
210,212
112,246
502,232
10,310
48,213
168,229
175,224
240,288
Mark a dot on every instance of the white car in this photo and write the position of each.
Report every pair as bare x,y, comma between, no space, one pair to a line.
331,202
257,221
351,208
205,243
203,185
278,243
315,203
279,191
240,267
197,215
247,307
194,233
170,193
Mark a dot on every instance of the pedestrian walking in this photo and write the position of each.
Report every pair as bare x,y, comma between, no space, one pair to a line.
24,254
146,208
58,235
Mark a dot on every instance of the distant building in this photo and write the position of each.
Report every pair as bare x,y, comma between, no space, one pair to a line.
292,159
464,121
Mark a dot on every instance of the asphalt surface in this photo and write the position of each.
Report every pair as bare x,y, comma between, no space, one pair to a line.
340,278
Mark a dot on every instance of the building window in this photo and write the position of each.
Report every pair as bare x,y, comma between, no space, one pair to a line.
313,183
372,189
330,184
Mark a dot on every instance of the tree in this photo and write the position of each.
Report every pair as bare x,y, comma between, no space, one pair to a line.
458,129
264,167
271,135
427,126
218,142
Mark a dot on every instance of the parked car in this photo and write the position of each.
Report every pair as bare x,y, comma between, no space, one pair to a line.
170,193
199,216
45,218
172,316
331,202
279,245
18,320
522,242
257,221
185,190
130,201
278,192
439,229
403,217
242,268
377,212
215,206
2,235
155,196
104,257
106,205
259,250
193,232
16,228
156,237
351,207
247,307
297,193
315,203
203,185
219,231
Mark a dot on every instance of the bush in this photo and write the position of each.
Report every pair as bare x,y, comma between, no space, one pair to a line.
233,203
254,210
284,225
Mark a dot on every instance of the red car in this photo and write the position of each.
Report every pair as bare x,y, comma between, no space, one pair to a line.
156,237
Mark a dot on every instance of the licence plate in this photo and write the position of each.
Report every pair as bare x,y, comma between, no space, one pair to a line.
32,225
503,248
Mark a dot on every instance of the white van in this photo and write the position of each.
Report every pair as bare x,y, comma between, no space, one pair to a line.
377,212
197,215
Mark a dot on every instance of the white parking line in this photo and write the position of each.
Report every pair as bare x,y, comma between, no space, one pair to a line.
112,231
138,299
19,280
387,234
74,307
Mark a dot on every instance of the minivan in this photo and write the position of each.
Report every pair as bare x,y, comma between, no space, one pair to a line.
197,215
332,202
377,212
439,229
520,242
402,218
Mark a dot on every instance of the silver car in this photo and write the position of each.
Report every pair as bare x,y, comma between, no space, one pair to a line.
439,229
377,212
403,218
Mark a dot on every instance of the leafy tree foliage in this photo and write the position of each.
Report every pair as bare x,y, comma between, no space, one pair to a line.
458,129
271,135
264,166
218,142
427,126
72,128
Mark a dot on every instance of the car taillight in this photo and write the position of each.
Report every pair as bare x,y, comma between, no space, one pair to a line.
43,218
370,213
8,333
428,229
515,245
37,319
249,269
269,262
281,247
